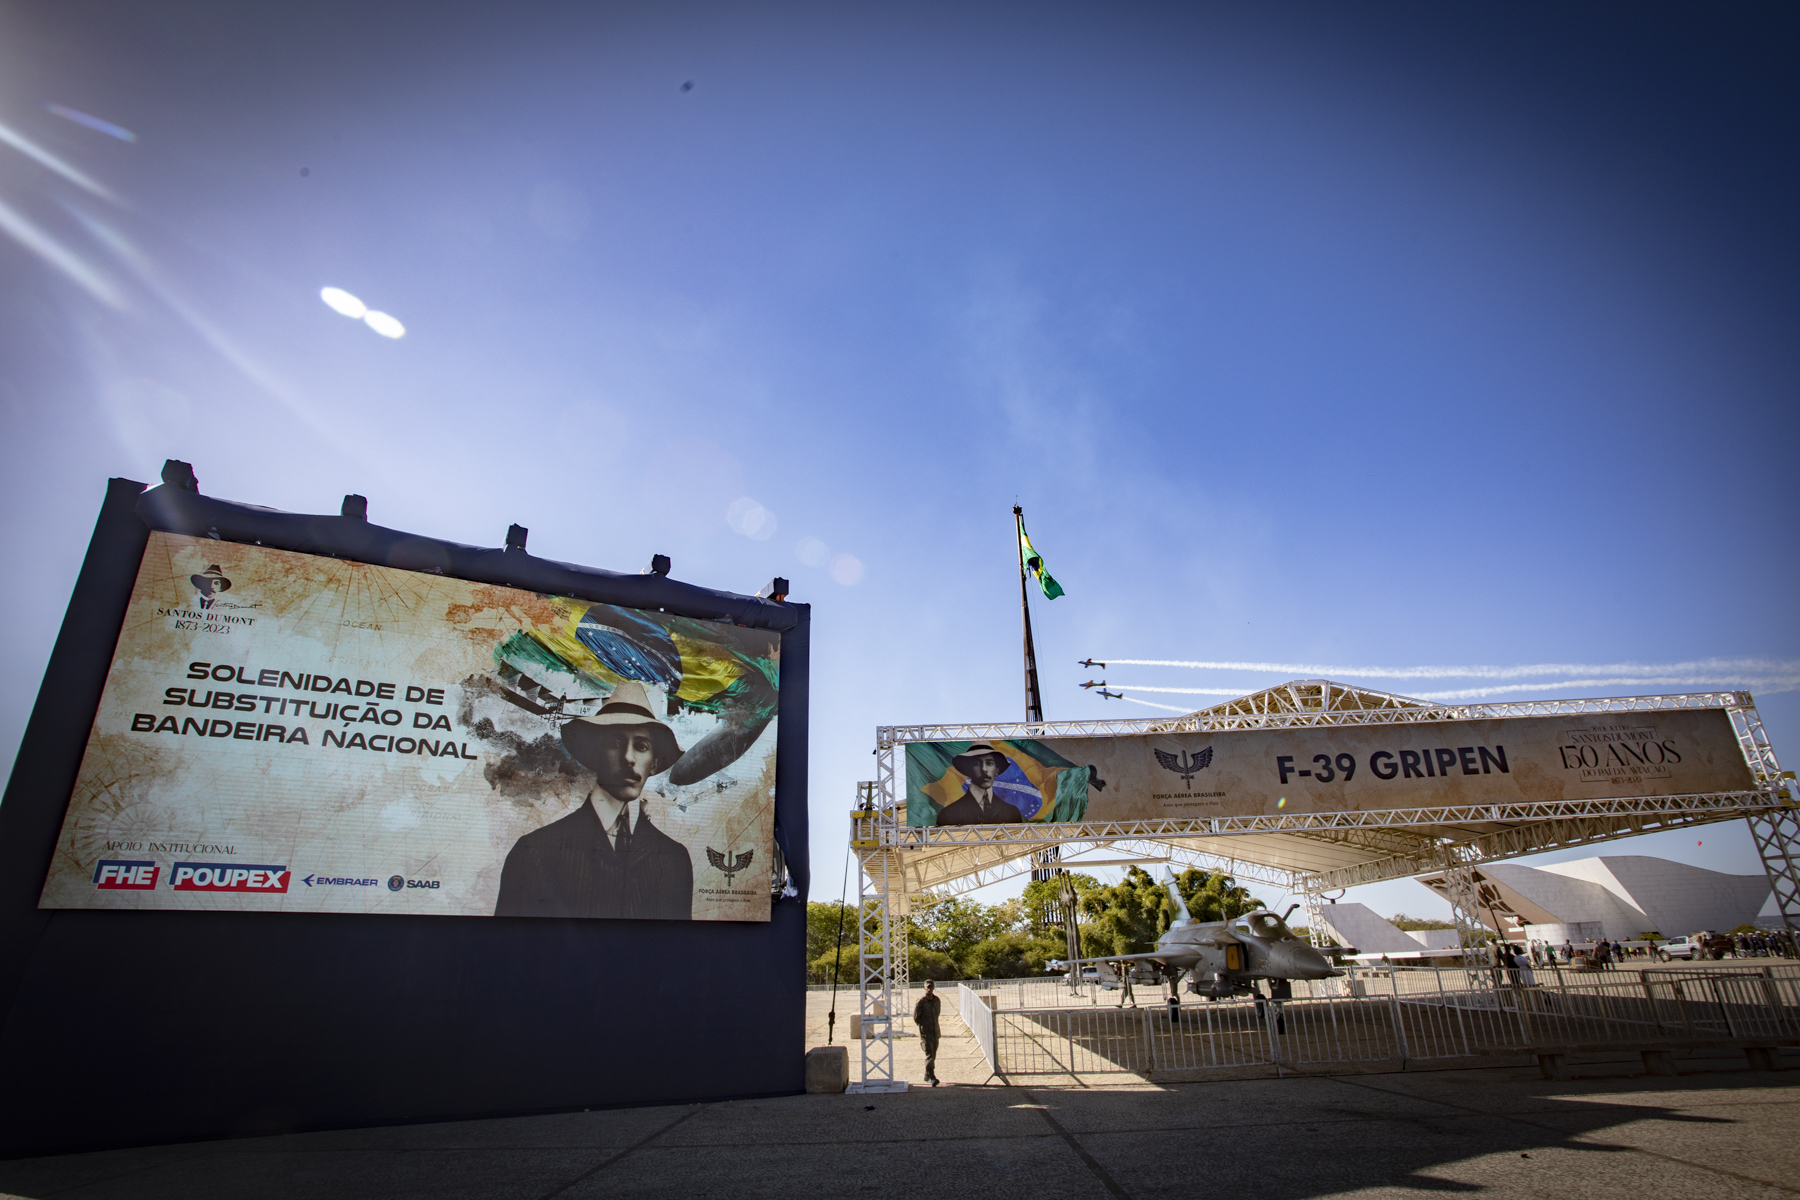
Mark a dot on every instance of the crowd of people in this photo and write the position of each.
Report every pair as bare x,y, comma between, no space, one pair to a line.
1606,955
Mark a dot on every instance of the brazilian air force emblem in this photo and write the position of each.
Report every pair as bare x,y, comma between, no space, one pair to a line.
1185,764
728,864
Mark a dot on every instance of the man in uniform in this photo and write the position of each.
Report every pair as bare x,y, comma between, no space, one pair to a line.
606,859
925,1016
982,764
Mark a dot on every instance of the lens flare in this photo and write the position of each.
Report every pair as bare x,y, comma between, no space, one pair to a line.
386,326
91,121
340,301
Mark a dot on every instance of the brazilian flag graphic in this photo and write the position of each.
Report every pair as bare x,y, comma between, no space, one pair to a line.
576,652
1039,782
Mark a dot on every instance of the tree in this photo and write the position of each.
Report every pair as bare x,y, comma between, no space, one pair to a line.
1014,954
822,923
926,963
953,925
1041,904
1402,921
1132,914
1214,896
820,969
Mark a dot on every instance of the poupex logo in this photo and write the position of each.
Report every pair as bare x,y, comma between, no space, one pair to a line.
731,866
113,875
228,877
209,584
1187,764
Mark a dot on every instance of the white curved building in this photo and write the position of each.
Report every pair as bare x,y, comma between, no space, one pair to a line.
1626,894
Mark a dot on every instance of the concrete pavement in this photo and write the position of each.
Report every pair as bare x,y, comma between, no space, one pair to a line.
1723,1133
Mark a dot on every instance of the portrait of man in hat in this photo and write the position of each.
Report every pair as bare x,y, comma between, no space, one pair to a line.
606,859
209,583
982,764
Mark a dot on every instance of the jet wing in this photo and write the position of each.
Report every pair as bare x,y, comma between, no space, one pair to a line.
1176,959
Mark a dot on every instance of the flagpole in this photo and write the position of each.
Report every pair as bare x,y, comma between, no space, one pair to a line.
1034,703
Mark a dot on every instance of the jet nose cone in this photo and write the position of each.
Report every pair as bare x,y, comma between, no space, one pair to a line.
1298,961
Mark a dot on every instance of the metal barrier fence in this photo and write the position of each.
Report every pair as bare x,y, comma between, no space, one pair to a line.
1386,1016
976,1014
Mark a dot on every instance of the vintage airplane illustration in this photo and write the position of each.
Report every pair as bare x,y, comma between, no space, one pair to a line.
1220,959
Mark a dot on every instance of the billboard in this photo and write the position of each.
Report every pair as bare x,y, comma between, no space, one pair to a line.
1346,768
288,732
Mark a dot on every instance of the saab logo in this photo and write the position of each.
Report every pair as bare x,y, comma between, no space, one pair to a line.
228,877
421,883
395,883
115,876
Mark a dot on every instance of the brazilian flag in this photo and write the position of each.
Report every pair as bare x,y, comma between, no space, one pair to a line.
1034,562
1039,782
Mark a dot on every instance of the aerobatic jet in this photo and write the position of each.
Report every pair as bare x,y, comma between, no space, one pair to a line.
1091,684
1090,664
1106,695
1220,959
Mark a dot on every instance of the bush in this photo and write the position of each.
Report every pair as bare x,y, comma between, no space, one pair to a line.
819,969
824,923
931,964
1011,955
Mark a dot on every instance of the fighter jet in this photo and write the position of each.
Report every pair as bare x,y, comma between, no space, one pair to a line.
1106,695
1090,664
1220,959
1091,684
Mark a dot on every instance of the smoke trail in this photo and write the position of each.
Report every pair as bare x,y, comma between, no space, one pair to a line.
1185,691
1713,670
1771,684
1154,704
1765,687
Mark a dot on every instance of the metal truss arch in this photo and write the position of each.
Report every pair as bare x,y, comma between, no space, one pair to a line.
1305,854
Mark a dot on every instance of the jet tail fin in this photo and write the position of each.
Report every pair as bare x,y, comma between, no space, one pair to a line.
1181,910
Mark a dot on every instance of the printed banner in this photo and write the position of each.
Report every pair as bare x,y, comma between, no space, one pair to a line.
1349,768
287,733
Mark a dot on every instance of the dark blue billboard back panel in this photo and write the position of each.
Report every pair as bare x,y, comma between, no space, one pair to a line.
223,982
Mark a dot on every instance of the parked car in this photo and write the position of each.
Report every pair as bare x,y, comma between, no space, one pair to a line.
1695,947
1681,947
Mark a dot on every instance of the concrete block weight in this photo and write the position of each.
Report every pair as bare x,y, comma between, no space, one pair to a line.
827,1069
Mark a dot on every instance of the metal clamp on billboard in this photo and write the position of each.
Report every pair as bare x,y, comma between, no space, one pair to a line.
287,732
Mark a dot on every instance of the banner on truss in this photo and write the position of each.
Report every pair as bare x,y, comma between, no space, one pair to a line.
1343,768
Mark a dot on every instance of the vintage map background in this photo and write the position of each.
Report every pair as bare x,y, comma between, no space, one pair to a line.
479,680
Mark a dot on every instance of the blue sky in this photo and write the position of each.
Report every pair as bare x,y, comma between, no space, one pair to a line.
1381,336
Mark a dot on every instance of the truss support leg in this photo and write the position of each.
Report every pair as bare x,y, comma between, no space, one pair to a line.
1313,899
1465,908
876,920
1777,835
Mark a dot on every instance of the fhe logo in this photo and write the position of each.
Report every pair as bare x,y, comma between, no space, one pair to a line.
229,877
113,875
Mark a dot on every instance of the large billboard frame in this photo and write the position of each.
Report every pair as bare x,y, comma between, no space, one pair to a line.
318,1020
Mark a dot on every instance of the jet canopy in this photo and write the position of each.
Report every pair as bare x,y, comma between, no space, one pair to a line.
1265,925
